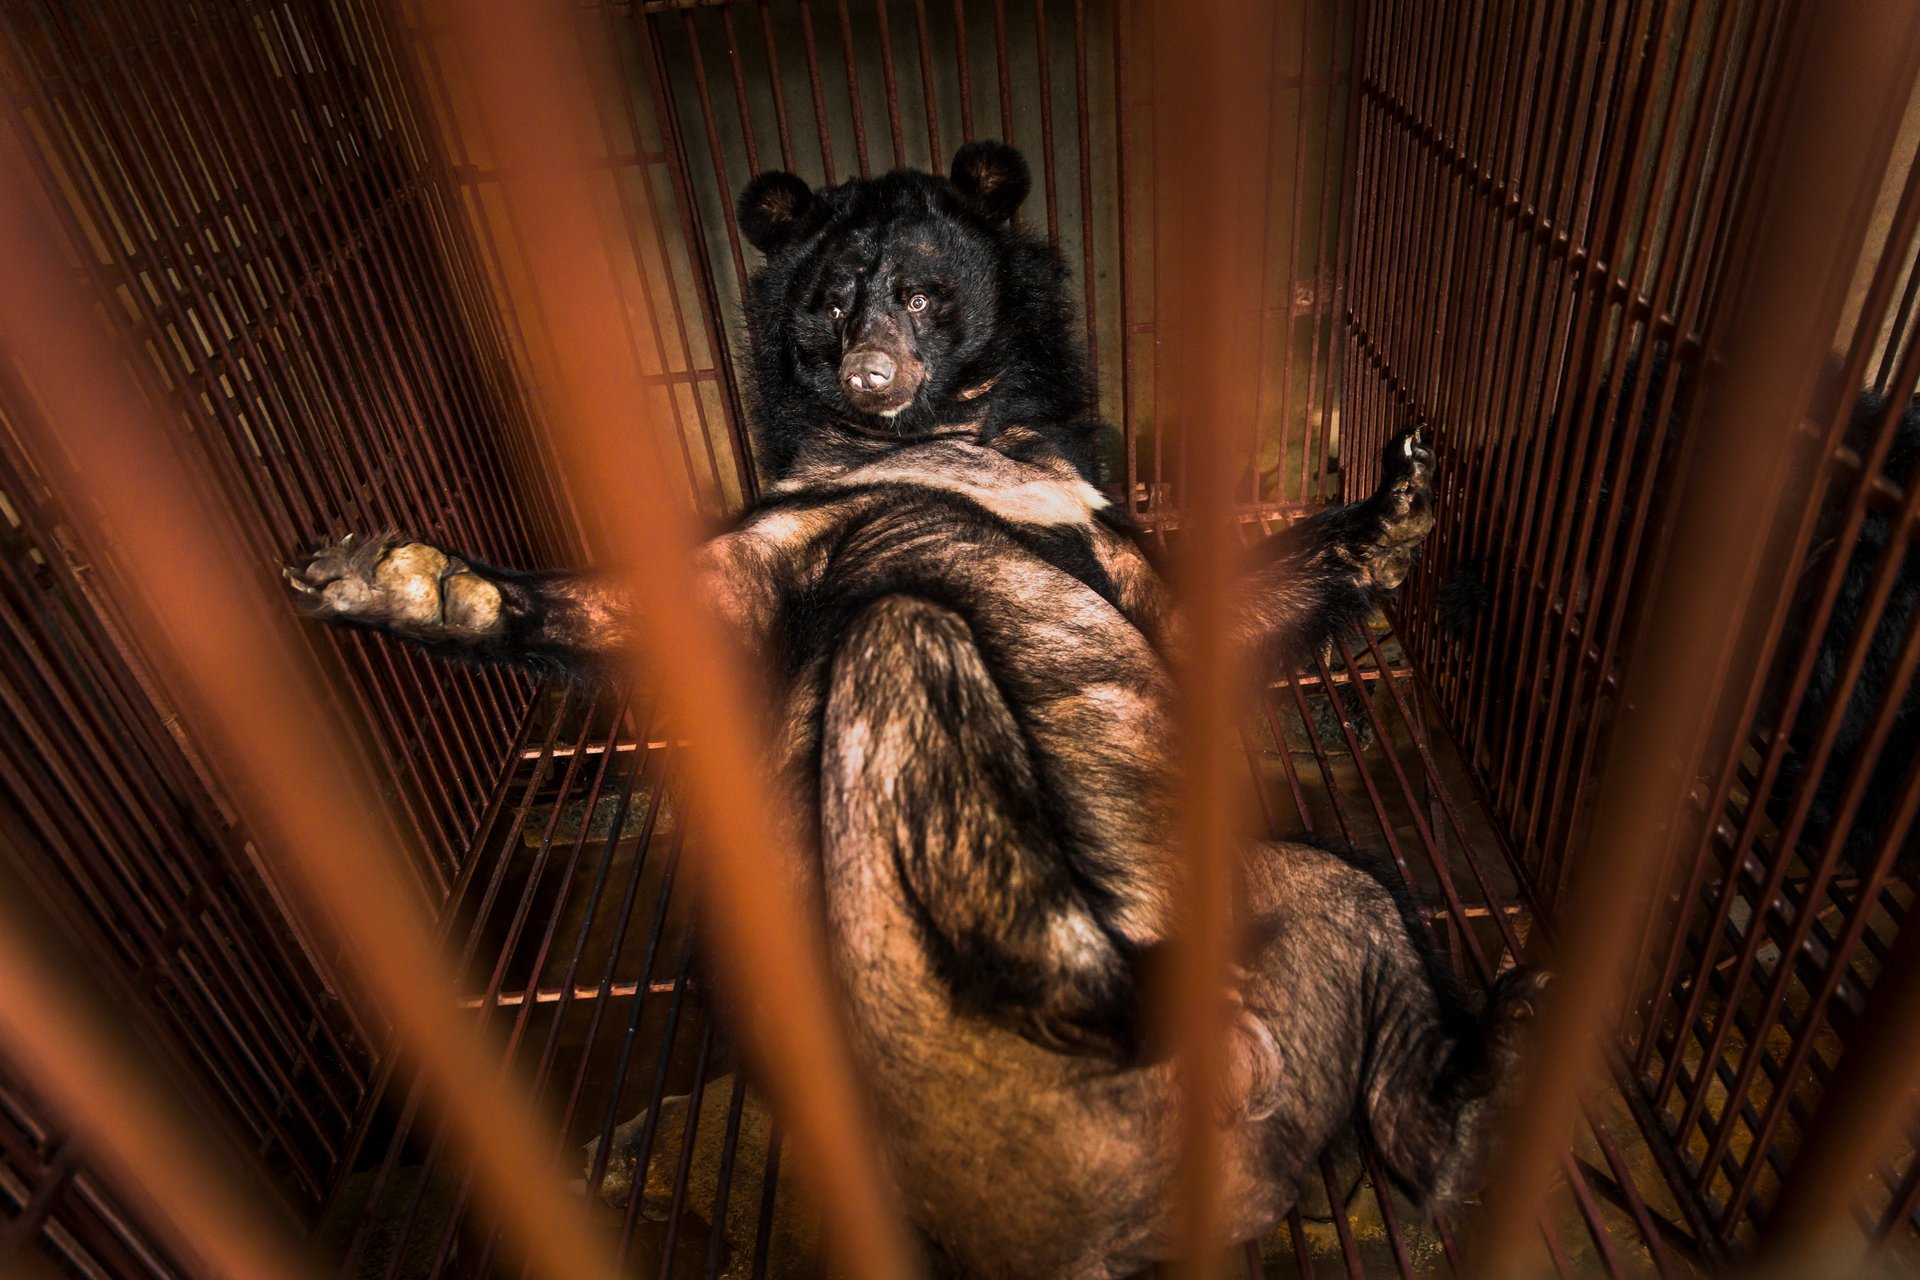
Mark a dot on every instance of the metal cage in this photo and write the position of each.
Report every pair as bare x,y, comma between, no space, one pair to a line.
1528,225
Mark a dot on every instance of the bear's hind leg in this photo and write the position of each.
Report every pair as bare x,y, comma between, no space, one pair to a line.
1432,1123
1321,576
924,764
1356,986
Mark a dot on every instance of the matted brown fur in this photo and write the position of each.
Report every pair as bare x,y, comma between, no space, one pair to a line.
974,712
969,670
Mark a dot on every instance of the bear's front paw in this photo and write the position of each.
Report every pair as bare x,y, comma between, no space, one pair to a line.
389,584
1402,508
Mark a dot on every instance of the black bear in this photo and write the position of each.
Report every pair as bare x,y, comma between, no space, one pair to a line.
1849,565
969,654
1872,824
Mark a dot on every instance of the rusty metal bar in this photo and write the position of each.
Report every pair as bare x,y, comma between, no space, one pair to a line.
497,881
772,50
1089,273
269,526
1042,64
1871,1095
344,334
253,1005
650,306
653,218
964,70
1697,875
739,87
1210,86
517,925
760,937
1532,716
1256,438
715,154
884,35
66,1038
1529,197
274,726
1557,831
852,66
1123,16
819,92
936,154
1850,70
1771,885
1003,64
669,121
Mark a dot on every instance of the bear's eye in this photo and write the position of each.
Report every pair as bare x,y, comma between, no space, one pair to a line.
835,312
918,302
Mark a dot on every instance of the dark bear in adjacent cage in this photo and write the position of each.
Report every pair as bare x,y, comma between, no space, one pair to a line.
1480,213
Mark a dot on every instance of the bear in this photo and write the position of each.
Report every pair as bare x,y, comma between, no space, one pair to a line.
1863,842
970,661
1847,565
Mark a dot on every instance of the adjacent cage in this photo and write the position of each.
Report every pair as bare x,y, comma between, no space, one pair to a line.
1525,225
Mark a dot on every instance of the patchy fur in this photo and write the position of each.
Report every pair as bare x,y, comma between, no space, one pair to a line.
969,657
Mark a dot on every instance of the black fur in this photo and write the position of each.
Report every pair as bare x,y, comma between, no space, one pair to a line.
994,176
776,209
1893,768
969,663
998,335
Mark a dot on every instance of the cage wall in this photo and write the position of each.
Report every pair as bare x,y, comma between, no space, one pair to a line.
246,190
695,99
1551,199
1513,221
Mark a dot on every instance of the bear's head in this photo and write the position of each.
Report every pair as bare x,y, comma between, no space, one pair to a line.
908,306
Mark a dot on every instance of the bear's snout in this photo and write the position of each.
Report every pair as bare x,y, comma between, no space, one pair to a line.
879,381
867,373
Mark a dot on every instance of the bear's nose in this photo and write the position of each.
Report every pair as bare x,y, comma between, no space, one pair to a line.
866,370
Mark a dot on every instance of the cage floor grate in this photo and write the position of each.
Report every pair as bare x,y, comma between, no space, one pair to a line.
577,950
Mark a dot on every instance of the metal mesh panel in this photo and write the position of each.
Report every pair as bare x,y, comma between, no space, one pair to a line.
286,270
1539,264
242,185
1549,202
56,1207
112,827
1792,908
696,99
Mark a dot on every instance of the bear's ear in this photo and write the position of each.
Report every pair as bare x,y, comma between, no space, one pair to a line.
777,208
992,175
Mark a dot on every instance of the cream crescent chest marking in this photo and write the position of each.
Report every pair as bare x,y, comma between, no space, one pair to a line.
1045,500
